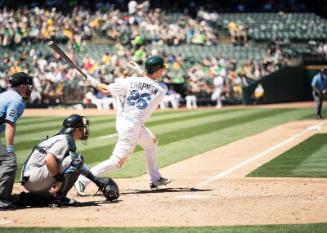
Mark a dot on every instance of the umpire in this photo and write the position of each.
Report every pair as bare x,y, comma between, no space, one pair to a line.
319,86
12,105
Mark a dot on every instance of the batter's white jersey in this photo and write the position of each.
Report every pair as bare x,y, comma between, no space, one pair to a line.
142,96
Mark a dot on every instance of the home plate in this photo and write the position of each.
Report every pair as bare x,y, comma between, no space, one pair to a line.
2,222
314,127
193,197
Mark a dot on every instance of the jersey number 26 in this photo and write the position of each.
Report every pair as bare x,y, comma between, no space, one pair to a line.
139,100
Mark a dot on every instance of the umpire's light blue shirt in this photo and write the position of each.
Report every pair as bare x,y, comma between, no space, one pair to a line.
12,107
319,83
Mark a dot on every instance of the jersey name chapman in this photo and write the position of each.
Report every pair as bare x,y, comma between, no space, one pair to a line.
145,86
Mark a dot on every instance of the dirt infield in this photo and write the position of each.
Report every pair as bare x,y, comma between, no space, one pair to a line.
207,190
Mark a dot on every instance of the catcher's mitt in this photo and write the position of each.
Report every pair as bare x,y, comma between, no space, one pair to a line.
108,187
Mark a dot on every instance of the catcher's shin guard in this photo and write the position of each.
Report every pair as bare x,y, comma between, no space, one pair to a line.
69,180
60,197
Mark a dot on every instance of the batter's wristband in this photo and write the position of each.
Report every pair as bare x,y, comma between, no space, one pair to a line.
59,177
10,149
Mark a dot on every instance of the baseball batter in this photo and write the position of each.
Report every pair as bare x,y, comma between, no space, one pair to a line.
142,97
12,106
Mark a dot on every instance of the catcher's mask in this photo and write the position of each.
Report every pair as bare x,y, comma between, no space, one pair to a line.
76,121
154,63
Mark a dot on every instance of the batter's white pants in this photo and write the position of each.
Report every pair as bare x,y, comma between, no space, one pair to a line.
130,133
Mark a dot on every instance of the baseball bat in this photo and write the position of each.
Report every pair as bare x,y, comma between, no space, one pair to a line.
58,50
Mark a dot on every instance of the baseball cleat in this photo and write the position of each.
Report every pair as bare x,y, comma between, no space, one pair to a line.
160,182
80,188
65,201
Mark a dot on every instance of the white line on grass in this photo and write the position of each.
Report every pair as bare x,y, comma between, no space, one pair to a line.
261,154
3,222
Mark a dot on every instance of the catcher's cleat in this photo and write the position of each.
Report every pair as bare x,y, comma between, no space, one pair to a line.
160,182
80,188
65,201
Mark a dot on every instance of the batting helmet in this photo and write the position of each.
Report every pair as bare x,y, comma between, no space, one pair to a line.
75,121
20,78
154,63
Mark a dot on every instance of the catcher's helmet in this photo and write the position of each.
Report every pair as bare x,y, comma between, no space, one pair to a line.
154,63
20,78
75,121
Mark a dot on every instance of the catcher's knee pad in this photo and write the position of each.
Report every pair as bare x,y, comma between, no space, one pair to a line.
76,163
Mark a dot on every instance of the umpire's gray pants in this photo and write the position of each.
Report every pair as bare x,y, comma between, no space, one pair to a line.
8,167
318,101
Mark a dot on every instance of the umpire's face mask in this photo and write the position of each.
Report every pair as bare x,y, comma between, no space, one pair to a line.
26,91
86,130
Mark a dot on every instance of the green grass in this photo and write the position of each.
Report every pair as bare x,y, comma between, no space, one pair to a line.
181,134
305,228
308,159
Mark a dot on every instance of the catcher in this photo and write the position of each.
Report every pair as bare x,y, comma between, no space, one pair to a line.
54,165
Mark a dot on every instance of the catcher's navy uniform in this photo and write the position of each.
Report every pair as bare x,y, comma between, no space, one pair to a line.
36,175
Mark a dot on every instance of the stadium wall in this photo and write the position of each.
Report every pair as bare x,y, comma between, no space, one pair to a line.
289,84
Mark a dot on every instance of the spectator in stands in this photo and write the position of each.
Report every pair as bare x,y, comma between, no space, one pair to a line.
258,94
216,96
319,87
36,97
35,25
242,34
322,49
172,98
232,28
190,98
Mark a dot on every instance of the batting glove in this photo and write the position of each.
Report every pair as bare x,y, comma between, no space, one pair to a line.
92,81
135,67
